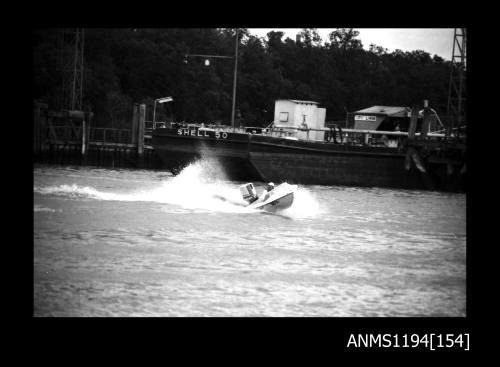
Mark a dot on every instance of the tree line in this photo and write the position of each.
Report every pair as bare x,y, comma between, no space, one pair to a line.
127,66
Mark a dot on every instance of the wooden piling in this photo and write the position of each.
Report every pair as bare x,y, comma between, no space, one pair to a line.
410,153
413,123
140,134
426,123
408,159
135,123
416,159
84,137
43,120
36,130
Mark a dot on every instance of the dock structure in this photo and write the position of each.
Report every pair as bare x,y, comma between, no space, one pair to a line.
69,137
415,159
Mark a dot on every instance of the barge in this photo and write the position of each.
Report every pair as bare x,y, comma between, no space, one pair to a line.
350,157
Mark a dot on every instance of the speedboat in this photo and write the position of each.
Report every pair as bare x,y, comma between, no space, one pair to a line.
279,198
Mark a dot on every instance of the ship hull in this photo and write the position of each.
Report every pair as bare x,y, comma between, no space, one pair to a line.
321,164
247,157
229,154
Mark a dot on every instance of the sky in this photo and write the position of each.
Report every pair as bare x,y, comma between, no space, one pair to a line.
432,40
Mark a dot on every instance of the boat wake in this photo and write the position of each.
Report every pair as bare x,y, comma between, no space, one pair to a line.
304,206
198,186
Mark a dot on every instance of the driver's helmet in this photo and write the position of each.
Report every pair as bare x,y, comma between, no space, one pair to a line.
270,186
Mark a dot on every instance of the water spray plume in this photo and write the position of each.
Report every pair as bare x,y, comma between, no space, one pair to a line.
201,185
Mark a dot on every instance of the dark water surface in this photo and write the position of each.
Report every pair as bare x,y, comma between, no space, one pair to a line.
123,242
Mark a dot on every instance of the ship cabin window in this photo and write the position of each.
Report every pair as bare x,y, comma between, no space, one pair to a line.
283,116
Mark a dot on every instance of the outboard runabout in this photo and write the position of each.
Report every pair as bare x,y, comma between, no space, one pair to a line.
277,198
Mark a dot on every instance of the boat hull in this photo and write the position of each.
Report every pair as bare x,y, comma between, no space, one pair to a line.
279,204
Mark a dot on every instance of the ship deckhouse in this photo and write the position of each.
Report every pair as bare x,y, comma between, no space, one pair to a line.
293,113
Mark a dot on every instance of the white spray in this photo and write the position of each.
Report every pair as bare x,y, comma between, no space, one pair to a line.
201,185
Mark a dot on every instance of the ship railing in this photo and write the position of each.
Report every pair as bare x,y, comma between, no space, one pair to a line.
392,139
110,135
149,127
332,134
69,133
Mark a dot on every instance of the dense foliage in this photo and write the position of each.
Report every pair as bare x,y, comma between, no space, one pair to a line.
126,66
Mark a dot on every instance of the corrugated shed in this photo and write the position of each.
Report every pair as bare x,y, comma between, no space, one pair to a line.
298,101
386,111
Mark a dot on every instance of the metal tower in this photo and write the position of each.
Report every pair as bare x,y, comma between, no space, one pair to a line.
71,42
457,92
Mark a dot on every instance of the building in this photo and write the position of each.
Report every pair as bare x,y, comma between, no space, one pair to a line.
292,113
385,118
389,118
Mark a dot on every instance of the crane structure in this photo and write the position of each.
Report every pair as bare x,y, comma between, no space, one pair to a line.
70,49
456,109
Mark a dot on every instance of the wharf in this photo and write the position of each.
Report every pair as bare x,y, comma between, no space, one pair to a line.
68,137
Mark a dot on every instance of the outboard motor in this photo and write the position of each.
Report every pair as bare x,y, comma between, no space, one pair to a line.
248,192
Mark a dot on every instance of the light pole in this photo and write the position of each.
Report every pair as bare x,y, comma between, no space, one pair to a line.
235,57
234,80
159,100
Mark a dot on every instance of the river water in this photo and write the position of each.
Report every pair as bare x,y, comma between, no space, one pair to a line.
123,242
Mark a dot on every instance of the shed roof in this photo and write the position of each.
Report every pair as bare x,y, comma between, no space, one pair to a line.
387,111
298,101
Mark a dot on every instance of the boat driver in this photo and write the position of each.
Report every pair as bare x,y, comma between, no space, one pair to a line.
265,193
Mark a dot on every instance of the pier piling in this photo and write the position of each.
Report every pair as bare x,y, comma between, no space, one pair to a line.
140,135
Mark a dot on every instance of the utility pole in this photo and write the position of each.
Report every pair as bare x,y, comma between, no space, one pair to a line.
234,80
235,57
